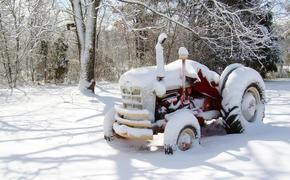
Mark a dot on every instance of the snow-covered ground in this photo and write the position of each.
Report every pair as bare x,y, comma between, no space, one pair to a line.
56,133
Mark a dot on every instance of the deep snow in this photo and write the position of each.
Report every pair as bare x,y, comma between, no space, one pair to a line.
56,133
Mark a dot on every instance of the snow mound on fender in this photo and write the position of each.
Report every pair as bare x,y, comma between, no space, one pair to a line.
233,91
226,72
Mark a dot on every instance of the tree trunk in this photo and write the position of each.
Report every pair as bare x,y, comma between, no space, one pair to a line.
86,34
5,55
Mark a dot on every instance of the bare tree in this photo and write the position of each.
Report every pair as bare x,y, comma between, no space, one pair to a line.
23,26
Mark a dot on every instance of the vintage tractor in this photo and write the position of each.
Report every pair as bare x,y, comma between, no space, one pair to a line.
177,99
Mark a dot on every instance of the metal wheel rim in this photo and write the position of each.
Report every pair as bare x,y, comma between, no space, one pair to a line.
185,139
250,102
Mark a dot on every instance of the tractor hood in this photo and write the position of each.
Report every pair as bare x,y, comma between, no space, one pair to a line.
140,77
145,78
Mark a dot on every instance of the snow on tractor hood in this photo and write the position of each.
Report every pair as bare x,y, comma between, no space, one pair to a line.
145,77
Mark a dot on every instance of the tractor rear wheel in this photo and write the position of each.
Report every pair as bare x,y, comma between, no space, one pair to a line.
243,103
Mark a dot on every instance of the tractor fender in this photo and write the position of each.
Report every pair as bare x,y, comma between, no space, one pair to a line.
224,77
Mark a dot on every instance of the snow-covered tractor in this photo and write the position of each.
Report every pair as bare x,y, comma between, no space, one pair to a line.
177,99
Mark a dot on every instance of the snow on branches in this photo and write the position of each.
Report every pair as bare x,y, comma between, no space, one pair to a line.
221,25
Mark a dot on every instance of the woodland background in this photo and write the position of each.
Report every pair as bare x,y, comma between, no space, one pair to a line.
41,40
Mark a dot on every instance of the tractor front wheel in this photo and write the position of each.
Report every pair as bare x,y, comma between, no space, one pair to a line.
186,138
182,131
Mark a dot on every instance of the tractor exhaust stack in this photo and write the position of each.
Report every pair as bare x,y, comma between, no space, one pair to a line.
159,56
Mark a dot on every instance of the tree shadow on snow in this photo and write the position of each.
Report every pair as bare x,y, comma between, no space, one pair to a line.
128,152
108,100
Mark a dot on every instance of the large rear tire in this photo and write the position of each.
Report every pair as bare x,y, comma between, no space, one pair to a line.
243,103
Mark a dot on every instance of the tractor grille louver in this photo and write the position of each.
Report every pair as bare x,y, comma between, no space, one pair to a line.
131,98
